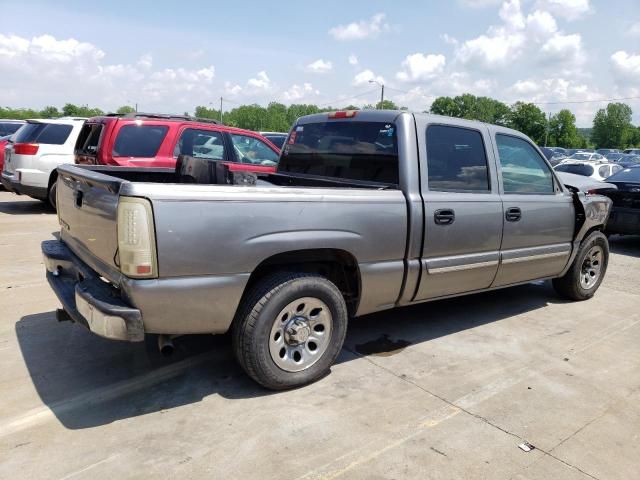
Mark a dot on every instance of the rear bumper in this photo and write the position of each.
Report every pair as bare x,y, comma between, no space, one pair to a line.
624,221
11,183
87,299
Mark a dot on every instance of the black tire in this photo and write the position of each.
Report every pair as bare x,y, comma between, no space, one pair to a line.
51,195
251,334
570,285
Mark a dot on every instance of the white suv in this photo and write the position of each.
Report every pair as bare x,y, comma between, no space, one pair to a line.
37,148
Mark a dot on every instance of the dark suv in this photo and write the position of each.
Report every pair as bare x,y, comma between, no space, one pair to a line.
155,140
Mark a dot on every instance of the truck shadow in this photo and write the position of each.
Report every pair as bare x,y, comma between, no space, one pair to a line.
625,245
21,207
87,381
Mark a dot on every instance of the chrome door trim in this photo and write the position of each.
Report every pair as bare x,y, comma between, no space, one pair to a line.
459,268
460,263
532,254
532,258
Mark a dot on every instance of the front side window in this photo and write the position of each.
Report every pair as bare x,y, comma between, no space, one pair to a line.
253,151
456,160
523,169
201,143
142,141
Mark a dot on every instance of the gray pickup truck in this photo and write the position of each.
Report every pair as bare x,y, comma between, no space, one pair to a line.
368,211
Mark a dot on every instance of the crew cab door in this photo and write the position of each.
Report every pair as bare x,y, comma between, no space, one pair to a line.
538,214
462,209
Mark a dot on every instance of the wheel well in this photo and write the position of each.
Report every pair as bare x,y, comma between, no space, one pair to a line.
52,178
336,265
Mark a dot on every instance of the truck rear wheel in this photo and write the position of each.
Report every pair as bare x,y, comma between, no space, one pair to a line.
587,271
289,330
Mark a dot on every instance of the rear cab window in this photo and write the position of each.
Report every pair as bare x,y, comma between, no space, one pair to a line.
141,141
348,150
46,133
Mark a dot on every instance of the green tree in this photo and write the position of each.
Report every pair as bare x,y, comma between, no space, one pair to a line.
386,105
49,112
528,119
612,126
469,106
563,131
123,110
204,112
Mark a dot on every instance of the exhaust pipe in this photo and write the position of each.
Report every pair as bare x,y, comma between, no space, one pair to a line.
165,345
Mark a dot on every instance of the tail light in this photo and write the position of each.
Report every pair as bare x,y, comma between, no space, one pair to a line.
25,148
136,238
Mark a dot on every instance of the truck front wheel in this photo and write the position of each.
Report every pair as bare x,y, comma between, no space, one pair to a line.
584,277
289,330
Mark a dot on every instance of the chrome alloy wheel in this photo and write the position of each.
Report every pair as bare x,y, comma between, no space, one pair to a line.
591,267
300,334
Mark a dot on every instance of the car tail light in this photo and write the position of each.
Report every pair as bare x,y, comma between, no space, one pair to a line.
343,114
136,238
25,148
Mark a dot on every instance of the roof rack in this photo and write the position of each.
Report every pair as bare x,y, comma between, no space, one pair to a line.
164,116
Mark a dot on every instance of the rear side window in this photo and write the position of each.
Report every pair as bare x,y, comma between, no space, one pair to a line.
201,144
576,169
139,140
89,139
456,160
253,151
523,168
47,133
361,151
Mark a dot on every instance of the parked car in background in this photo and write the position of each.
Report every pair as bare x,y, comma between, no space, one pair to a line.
625,213
595,170
586,157
156,140
277,138
614,157
606,151
34,153
346,227
9,127
628,160
3,142
632,151
580,183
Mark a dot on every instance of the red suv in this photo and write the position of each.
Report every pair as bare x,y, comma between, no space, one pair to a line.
154,140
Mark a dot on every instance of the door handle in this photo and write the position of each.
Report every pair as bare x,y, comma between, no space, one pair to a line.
445,216
513,214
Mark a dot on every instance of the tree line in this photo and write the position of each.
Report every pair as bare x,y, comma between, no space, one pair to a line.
612,125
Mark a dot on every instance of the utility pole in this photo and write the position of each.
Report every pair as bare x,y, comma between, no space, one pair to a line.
381,92
220,109
546,130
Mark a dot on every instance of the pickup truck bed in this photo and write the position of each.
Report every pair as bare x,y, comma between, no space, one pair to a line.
362,216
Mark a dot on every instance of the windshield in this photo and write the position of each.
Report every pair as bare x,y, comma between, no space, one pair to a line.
366,151
576,168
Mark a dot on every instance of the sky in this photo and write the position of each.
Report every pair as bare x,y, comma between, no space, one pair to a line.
173,56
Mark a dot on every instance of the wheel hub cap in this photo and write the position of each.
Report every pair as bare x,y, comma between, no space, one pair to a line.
591,267
300,334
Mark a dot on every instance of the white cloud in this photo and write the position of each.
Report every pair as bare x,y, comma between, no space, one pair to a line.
511,14
418,67
362,29
563,48
146,61
298,92
526,87
449,40
541,25
353,60
319,66
569,9
261,82
365,77
634,30
232,89
491,51
626,67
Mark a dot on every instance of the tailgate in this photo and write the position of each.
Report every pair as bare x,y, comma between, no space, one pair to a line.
87,210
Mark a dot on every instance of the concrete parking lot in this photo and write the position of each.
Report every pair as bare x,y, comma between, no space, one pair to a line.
442,390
